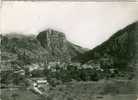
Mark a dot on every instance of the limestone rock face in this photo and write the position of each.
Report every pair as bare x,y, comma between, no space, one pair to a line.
59,48
51,39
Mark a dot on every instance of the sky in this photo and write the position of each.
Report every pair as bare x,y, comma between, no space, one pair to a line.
87,24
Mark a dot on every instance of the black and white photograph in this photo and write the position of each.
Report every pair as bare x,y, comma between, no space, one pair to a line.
68,50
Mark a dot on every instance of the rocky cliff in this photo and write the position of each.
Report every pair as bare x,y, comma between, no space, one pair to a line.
48,45
58,47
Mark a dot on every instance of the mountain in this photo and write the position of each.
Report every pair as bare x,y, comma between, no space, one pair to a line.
48,45
120,48
58,46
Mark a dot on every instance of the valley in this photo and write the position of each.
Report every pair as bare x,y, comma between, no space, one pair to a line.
49,67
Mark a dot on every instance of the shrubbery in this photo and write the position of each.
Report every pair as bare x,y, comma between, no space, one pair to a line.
57,73
73,71
82,72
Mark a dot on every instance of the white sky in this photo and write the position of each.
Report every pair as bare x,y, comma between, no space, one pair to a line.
87,24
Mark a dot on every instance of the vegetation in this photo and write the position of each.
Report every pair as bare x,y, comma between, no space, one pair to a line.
48,56
119,51
61,73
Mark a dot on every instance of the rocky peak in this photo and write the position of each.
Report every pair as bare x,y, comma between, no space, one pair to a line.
51,39
59,48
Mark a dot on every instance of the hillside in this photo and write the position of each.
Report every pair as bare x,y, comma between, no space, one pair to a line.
27,49
120,45
119,50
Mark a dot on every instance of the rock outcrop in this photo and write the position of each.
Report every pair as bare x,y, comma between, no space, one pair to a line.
59,48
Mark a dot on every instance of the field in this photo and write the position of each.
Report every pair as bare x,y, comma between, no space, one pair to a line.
17,94
101,90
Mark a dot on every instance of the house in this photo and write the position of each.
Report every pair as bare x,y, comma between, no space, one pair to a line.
40,81
38,85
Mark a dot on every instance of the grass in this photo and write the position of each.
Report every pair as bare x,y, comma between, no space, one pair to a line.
17,94
103,90
88,90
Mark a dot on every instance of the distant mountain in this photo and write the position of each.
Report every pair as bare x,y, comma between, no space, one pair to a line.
120,48
49,45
